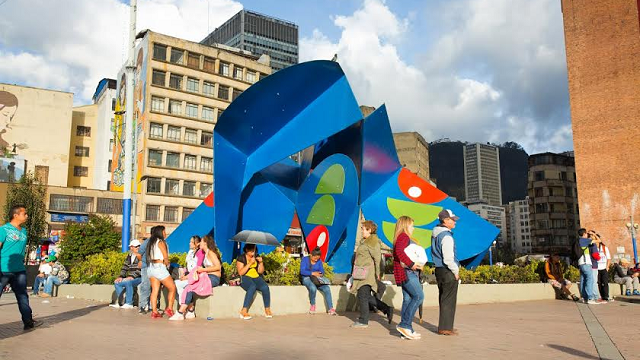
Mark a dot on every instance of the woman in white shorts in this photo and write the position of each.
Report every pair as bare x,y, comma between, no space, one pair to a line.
158,258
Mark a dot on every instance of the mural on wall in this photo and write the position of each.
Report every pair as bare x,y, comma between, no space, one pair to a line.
347,164
8,108
139,117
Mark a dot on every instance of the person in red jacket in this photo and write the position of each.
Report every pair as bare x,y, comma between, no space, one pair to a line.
405,272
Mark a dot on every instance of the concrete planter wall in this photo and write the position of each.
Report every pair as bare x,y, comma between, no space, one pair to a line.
226,301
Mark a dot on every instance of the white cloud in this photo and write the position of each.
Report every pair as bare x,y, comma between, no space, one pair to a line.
496,71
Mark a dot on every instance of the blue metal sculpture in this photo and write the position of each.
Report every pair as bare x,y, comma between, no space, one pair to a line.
347,164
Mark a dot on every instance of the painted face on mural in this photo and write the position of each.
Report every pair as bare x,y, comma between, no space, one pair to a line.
8,109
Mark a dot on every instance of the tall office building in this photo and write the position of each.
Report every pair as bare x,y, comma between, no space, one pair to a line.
493,214
259,34
482,174
519,233
105,100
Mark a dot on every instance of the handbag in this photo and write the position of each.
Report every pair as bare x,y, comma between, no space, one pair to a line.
319,280
359,272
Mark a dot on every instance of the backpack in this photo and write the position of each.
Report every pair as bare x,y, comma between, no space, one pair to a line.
576,250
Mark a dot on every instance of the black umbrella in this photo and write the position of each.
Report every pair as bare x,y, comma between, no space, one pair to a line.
256,237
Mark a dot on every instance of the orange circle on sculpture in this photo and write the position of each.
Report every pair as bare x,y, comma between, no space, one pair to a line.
417,189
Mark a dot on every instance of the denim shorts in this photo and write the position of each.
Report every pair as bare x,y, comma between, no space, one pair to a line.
158,271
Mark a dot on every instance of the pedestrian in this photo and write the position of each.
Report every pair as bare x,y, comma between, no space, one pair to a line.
584,264
58,275
144,289
129,277
624,274
595,258
43,272
603,271
366,274
443,254
13,245
158,256
251,269
312,277
405,273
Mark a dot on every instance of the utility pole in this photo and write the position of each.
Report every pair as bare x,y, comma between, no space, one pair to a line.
128,143
633,228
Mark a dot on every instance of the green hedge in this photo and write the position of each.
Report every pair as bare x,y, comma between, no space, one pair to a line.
512,274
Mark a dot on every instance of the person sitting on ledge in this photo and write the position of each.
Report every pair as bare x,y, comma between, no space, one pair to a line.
553,268
129,276
58,276
43,272
312,277
624,274
250,267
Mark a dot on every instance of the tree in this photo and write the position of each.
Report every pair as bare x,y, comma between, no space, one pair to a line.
28,191
98,235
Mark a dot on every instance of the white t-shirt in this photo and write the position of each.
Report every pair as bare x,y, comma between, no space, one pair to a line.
416,253
45,268
604,255
191,260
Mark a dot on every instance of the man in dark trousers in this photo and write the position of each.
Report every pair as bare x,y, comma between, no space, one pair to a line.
13,244
443,254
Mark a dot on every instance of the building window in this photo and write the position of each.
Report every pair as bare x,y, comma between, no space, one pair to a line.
538,192
113,104
159,52
173,160
539,175
236,93
193,85
175,107
83,130
191,136
223,92
193,61
207,88
109,166
563,175
71,203
209,65
171,214
206,164
172,187
158,77
157,104
237,72
192,110
173,133
177,56
156,131
186,212
175,81
82,151
224,69
190,162
153,213
189,188
109,206
80,171
153,185
251,76
155,158
206,138
205,189
219,113
207,113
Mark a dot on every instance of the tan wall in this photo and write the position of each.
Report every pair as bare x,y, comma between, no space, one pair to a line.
83,116
40,128
413,152
603,52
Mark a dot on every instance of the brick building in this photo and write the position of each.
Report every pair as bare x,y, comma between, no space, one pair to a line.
602,40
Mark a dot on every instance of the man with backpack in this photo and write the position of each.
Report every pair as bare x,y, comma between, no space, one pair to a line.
583,257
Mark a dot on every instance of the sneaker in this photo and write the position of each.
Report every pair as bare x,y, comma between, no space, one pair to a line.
628,293
390,314
268,314
312,309
592,302
600,301
168,312
190,315
244,315
115,306
156,315
332,312
406,333
359,325
636,292
126,306
178,316
416,335
610,300
143,310
34,324
44,295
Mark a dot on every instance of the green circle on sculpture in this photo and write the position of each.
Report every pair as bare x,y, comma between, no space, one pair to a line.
422,214
332,181
323,211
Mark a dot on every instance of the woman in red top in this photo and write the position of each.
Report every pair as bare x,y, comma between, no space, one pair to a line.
406,275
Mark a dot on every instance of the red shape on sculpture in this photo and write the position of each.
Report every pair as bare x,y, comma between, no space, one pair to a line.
319,237
417,189
209,200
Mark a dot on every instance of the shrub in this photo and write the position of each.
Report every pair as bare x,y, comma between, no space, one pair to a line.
178,258
511,274
98,268
85,239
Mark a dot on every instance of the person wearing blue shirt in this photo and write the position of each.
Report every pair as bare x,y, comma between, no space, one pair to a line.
312,266
144,289
13,244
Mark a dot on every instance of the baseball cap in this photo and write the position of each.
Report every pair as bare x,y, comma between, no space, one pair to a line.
445,214
51,258
134,242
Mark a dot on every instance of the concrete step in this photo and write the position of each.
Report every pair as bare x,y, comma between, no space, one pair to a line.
630,299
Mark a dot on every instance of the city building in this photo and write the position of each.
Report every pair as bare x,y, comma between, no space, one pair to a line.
482,174
259,34
493,214
105,100
35,128
519,231
82,150
181,90
602,40
553,204
413,152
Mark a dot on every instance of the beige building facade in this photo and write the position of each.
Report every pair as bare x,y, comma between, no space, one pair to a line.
82,149
413,152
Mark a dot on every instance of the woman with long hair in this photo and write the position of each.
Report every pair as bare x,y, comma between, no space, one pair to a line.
405,273
193,260
250,267
158,258
212,267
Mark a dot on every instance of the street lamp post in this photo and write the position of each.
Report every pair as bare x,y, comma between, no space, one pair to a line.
633,228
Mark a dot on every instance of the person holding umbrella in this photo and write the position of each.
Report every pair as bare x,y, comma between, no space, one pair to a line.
251,268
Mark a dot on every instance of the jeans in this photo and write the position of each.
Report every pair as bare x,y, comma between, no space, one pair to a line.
215,281
629,282
603,283
250,285
18,282
586,282
596,291
128,285
144,289
48,285
36,284
447,298
412,297
312,288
